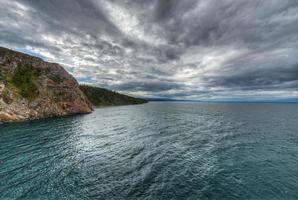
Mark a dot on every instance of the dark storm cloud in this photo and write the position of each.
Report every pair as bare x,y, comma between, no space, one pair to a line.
194,49
278,70
156,86
261,79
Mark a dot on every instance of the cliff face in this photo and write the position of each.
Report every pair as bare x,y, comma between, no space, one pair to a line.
31,88
103,97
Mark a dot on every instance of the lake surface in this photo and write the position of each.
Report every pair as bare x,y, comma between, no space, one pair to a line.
159,150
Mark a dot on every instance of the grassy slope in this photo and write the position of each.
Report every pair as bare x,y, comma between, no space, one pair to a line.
103,97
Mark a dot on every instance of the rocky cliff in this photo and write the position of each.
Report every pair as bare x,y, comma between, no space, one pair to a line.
31,88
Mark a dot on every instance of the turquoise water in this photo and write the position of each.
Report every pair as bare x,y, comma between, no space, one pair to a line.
155,151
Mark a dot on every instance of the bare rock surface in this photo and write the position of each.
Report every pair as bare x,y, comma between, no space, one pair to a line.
31,88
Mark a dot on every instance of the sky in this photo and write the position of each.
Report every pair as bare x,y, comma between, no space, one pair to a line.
178,49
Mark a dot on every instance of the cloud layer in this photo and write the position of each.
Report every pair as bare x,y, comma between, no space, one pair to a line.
190,49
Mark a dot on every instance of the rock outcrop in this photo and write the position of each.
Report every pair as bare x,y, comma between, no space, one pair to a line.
31,88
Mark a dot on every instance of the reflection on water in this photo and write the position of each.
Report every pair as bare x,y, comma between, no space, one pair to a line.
155,151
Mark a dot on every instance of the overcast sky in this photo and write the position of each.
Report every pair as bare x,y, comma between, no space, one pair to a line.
182,49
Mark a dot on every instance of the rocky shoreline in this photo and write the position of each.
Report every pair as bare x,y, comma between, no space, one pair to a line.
31,88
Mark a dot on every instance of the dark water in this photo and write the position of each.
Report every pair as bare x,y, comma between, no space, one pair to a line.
155,151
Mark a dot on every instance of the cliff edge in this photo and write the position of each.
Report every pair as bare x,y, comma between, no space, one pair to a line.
31,88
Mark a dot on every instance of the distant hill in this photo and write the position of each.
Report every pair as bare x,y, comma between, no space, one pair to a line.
103,97
174,100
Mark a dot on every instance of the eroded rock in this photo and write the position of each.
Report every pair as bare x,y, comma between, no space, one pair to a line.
31,88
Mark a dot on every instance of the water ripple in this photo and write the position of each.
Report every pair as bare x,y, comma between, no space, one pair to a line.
155,151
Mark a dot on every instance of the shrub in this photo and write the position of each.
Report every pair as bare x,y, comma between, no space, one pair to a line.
56,78
6,97
25,79
1,75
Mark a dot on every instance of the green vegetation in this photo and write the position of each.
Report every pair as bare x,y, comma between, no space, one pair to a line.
8,60
25,80
103,97
1,75
5,96
56,78
58,96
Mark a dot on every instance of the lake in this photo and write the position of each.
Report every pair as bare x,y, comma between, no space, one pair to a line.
159,150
